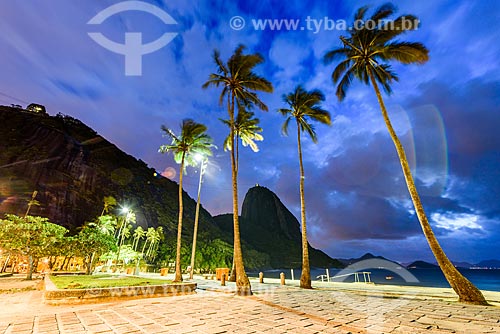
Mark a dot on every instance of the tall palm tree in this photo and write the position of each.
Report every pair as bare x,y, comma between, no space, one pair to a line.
154,240
124,231
139,233
192,140
150,236
304,106
365,55
247,129
239,85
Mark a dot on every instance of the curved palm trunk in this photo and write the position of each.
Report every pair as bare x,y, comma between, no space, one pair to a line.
178,273
196,216
242,283
465,290
305,277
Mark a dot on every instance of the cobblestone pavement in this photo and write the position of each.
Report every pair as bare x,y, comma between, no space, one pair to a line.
272,309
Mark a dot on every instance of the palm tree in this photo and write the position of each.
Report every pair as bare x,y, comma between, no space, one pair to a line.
109,202
32,202
124,231
150,236
193,140
365,55
247,129
304,106
139,233
239,86
153,241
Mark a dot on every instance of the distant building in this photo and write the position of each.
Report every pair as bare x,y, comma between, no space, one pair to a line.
37,109
17,106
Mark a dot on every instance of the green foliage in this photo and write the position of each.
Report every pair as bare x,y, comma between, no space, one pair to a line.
30,236
93,240
246,128
192,141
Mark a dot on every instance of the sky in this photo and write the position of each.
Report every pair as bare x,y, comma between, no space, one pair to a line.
445,111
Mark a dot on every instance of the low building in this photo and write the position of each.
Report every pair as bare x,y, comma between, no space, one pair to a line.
37,109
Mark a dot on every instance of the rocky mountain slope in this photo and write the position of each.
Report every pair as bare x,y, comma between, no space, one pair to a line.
268,226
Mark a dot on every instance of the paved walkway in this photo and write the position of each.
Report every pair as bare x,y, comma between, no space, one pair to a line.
272,309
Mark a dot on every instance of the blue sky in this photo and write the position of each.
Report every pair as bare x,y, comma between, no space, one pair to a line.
446,111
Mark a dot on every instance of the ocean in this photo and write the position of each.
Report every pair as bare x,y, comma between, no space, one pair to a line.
484,279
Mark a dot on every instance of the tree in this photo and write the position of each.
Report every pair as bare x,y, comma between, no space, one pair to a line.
124,231
247,129
139,233
109,202
365,55
304,106
192,140
107,224
239,85
150,237
93,242
32,202
29,236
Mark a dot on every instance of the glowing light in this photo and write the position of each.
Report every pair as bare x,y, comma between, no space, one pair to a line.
169,173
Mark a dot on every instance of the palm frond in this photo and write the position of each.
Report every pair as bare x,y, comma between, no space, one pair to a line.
406,52
383,12
360,13
334,54
368,50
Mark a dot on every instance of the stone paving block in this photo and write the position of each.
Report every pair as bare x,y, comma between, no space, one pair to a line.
98,328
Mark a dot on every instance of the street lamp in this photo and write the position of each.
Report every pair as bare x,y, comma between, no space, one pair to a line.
203,164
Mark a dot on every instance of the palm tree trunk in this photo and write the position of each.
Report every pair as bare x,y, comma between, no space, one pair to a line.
465,290
232,278
144,247
178,273
305,277
196,217
242,282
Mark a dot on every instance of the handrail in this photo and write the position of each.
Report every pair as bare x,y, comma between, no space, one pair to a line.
366,277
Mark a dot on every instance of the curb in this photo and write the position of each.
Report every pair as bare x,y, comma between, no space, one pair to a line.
55,296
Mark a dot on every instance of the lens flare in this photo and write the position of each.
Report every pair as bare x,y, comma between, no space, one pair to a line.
169,173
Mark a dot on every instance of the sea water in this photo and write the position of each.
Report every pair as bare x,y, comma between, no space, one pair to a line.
484,279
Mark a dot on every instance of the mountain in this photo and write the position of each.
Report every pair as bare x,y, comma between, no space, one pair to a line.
422,265
367,256
73,168
458,264
488,264
269,227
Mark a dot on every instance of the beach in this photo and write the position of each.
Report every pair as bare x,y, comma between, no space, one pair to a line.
328,308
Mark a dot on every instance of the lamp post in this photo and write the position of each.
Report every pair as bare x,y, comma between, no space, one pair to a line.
203,163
